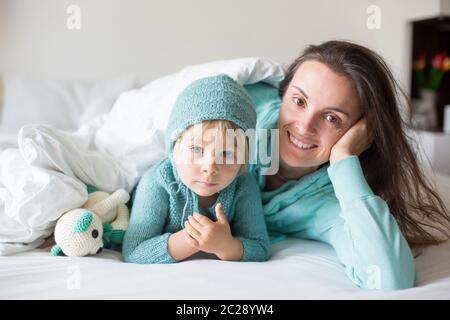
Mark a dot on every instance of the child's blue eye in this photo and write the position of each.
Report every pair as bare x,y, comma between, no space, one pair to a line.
196,150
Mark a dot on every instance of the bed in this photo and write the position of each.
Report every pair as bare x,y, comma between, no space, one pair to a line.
298,269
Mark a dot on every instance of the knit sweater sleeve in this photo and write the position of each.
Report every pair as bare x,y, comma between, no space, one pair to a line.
248,224
144,241
375,253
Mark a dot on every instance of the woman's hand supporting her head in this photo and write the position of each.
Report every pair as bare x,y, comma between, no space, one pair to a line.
354,142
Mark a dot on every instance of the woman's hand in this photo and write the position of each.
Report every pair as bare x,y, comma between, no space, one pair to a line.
214,237
353,142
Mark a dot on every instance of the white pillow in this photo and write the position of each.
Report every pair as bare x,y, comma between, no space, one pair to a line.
63,104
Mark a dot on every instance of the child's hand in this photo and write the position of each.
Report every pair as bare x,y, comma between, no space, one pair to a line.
214,237
48,243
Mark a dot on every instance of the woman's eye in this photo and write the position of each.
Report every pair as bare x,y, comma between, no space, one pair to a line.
332,119
299,102
196,150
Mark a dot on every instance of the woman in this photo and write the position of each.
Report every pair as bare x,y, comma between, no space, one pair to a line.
347,175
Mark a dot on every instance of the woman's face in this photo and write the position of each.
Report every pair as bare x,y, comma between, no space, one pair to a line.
318,107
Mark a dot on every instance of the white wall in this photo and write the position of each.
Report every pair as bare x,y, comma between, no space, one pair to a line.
445,7
151,38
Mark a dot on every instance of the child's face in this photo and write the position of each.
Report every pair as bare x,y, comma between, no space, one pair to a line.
207,162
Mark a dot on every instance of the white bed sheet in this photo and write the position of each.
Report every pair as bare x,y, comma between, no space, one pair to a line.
298,269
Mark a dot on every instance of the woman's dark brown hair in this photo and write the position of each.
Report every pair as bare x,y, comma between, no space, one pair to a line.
390,165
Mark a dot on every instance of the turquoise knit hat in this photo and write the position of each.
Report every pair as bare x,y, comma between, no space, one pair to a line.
212,98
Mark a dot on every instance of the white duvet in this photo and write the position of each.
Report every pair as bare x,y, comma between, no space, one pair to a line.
46,175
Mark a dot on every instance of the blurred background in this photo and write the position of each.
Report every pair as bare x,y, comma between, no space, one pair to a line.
97,40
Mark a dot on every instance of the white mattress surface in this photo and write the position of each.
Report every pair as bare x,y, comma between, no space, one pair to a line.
298,269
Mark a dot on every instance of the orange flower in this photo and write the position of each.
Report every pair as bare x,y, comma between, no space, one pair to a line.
446,64
420,62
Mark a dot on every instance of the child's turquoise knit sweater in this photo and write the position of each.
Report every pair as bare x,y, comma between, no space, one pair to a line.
162,203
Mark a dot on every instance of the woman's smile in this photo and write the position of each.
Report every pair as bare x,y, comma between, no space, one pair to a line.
300,142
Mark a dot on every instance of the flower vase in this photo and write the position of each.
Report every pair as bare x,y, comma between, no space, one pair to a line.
424,114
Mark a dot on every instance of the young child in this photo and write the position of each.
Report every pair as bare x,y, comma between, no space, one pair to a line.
200,198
